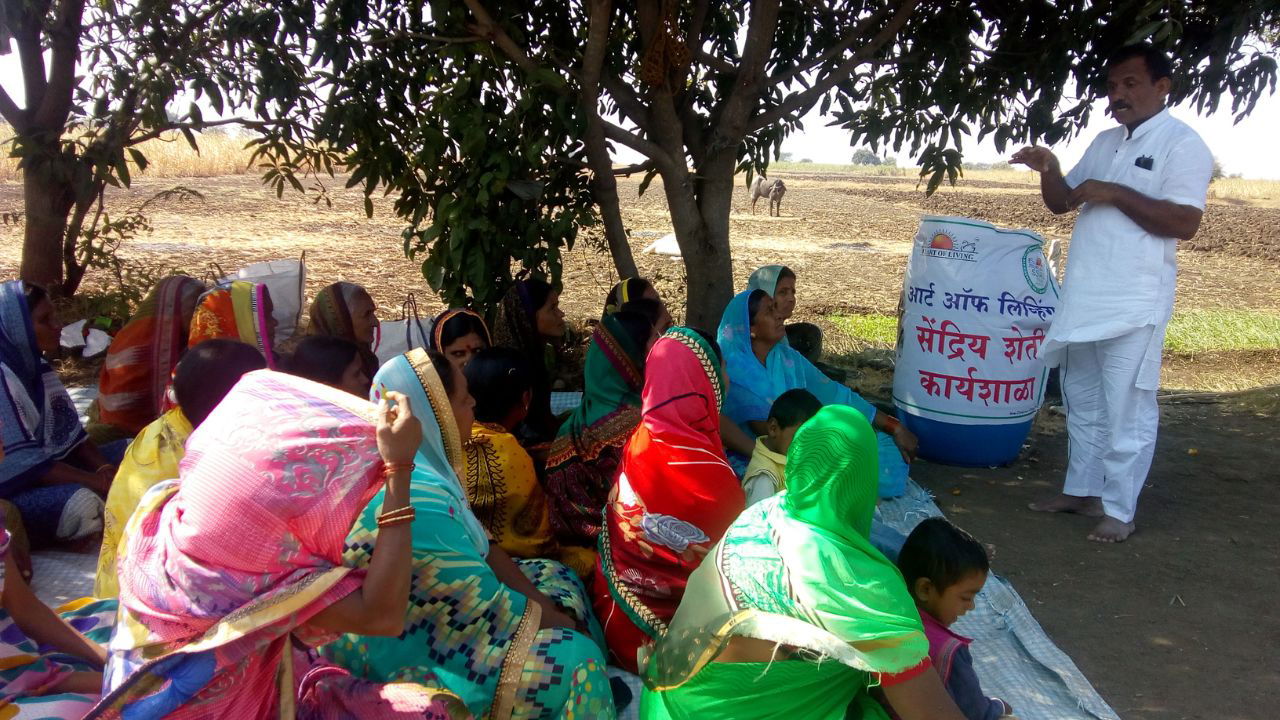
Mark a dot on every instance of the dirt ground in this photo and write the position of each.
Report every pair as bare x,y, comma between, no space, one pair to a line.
1175,623
1178,622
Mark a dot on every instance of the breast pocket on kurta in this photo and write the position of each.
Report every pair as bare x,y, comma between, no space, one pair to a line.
1141,173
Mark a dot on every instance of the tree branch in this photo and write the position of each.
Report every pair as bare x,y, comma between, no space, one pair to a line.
392,37
12,114
486,28
629,170
177,126
836,50
762,27
718,64
632,107
797,103
64,49
645,147
30,55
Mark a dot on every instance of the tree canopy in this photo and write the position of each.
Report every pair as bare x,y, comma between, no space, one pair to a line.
448,104
100,78
493,122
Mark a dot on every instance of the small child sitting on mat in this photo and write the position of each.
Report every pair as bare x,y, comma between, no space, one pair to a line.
766,474
945,567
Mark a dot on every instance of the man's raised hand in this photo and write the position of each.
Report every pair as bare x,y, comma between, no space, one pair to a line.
1040,159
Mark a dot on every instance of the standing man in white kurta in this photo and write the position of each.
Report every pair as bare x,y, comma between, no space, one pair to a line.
1140,187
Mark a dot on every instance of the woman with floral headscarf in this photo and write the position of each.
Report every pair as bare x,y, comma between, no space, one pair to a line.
233,572
794,614
672,499
240,311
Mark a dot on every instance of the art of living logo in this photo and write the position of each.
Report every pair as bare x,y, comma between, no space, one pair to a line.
945,245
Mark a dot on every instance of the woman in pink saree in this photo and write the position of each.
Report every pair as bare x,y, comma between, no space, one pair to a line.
230,577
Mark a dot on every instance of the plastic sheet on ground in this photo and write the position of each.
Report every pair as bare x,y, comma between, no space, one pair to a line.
1015,660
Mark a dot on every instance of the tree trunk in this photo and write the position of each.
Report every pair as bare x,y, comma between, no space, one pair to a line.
704,242
47,203
605,189
604,186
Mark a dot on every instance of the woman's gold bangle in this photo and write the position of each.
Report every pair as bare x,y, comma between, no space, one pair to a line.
397,516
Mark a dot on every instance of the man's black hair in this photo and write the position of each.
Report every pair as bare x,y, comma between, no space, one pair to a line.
208,371
322,358
1158,63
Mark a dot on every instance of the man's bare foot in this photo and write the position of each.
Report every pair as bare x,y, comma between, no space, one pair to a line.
1111,530
1062,503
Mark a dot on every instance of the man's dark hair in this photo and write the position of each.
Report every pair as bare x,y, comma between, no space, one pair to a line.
1158,63
208,371
942,552
794,408
498,378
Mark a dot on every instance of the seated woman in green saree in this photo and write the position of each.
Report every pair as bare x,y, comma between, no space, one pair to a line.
503,635
794,614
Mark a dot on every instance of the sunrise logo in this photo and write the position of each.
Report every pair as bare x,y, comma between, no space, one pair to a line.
944,245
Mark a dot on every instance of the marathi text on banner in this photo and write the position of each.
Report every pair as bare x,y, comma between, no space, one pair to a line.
976,303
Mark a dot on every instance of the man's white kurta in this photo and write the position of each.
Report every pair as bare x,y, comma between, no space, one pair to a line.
1119,276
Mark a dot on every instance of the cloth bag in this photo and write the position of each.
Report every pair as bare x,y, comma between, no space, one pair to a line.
397,337
286,281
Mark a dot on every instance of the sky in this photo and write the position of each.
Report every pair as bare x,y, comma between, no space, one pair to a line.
1249,148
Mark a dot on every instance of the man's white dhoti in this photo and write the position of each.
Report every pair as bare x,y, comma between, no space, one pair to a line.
1111,421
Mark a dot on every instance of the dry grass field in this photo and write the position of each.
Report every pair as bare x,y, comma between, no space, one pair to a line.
844,229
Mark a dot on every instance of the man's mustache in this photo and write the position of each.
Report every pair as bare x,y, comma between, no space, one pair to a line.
1118,105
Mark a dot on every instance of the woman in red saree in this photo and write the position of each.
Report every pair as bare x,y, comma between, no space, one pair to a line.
673,498
142,356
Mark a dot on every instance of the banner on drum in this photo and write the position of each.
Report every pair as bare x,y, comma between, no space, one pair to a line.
976,303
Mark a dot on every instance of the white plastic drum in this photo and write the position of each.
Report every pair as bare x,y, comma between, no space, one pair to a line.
976,303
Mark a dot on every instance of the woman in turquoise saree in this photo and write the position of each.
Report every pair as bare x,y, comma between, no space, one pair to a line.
794,614
503,635
762,365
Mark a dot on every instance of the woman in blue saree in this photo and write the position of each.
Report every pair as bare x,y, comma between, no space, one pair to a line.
762,365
